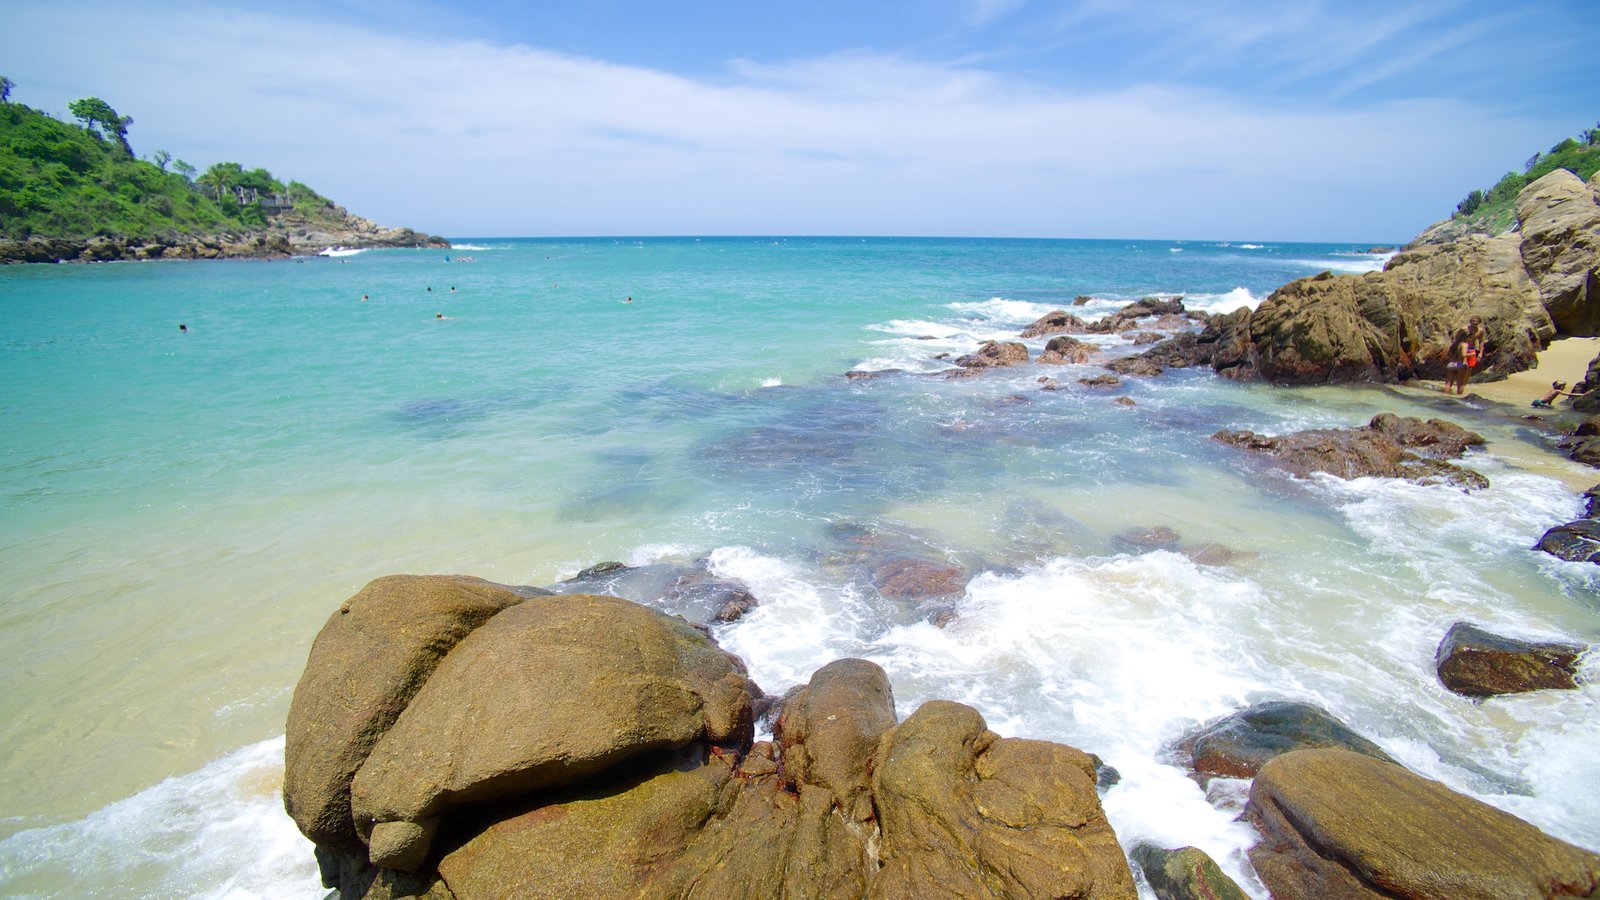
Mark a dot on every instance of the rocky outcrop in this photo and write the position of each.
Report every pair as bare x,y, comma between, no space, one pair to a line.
1066,351
1057,322
690,591
577,745
1528,286
1186,873
1477,663
285,235
1239,744
1560,218
995,354
1341,824
1389,446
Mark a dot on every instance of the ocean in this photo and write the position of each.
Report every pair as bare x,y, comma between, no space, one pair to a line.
184,509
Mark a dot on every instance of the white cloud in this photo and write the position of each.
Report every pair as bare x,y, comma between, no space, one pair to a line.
471,137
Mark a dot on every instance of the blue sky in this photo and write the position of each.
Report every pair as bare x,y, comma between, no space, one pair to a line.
1347,121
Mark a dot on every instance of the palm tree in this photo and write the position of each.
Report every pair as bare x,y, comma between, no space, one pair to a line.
6,85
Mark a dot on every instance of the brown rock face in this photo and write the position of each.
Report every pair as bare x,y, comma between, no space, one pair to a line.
366,664
995,354
829,730
1560,217
913,578
1339,824
965,813
549,692
1058,322
1476,663
1064,350
1387,447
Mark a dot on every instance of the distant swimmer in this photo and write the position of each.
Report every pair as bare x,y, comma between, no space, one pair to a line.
629,300
440,317
185,329
363,298
447,257
452,289
430,288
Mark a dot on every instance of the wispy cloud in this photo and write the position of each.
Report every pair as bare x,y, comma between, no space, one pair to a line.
985,11
465,136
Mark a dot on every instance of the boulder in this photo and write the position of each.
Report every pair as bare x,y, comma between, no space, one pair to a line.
1239,744
1057,322
1186,873
690,591
965,813
1106,381
1389,446
1177,352
1476,663
1341,824
995,354
829,729
1066,350
546,694
1576,541
1560,217
366,664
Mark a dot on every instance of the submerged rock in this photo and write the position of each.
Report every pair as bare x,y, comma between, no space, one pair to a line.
915,578
1143,540
1238,745
1340,824
1389,446
690,591
1476,663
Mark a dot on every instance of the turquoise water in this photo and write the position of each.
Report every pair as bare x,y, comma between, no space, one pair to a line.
183,510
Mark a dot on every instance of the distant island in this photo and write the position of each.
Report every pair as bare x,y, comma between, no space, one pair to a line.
77,193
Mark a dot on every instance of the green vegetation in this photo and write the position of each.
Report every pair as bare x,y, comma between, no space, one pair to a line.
1494,210
60,180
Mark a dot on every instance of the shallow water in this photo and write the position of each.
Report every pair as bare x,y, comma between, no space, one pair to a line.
182,512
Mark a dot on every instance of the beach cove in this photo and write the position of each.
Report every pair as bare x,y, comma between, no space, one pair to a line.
186,509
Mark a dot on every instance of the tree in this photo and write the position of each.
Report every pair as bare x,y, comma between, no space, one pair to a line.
161,158
1591,136
93,111
1470,205
6,85
184,169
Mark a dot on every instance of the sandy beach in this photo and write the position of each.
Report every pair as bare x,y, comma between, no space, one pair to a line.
1566,359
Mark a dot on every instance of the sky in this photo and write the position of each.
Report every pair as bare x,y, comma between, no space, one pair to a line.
1348,121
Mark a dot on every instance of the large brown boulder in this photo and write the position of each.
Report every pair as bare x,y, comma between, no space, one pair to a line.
1560,217
1239,744
1389,446
1340,824
366,664
545,694
1478,663
965,813
829,730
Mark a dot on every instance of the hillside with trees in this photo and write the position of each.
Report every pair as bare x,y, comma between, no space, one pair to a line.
78,191
1493,210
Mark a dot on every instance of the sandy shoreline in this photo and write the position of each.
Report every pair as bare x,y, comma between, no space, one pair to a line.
1566,359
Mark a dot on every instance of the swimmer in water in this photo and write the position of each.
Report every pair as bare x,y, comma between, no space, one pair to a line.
183,328
363,298
629,300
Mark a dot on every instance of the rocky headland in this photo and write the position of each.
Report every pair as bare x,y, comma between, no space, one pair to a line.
456,738
286,234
